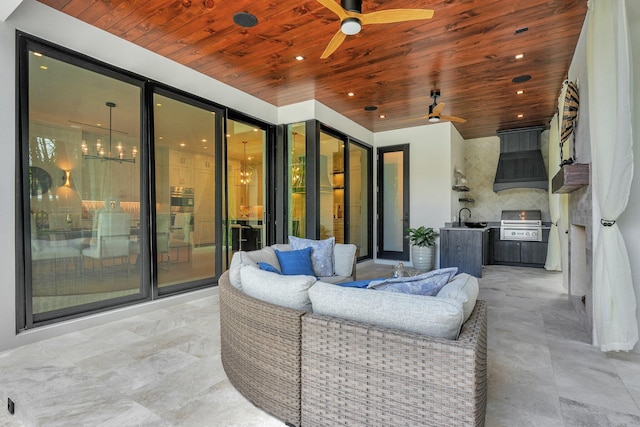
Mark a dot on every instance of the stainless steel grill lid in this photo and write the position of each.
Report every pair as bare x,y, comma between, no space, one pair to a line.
524,215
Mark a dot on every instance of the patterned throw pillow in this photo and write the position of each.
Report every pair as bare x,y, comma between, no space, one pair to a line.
322,255
295,262
427,284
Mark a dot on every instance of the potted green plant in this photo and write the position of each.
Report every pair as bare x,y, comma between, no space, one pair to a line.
422,240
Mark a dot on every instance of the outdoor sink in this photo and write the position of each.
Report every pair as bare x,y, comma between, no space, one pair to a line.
475,224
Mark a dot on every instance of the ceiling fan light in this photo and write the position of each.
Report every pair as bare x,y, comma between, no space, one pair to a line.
434,119
351,26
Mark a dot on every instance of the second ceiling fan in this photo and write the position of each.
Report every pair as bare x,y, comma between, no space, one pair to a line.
435,111
352,19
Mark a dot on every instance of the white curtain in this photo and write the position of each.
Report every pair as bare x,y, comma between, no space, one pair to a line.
609,70
554,252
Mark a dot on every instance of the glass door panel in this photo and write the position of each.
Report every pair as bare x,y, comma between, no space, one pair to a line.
332,180
84,174
185,181
246,185
297,180
393,202
359,203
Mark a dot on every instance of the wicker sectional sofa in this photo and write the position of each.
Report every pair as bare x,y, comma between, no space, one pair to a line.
313,370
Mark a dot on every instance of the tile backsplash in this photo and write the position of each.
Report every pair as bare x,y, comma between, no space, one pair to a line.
481,160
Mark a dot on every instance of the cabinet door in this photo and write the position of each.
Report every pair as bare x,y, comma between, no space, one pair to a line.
462,249
533,253
506,251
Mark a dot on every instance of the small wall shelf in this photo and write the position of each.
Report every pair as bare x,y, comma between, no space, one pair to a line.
570,178
460,188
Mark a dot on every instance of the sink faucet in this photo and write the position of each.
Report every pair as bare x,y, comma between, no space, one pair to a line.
460,216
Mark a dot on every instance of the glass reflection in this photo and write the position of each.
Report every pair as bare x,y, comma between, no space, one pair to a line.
84,210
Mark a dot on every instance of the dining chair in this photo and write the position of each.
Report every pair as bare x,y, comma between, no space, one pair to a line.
112,239
180,236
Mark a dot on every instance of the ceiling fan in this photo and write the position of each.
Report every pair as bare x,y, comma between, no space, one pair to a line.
352,19
435,109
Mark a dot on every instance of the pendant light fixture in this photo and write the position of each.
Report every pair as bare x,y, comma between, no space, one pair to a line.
246,172
100,153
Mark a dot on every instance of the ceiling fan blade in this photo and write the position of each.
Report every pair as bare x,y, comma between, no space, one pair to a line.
335,8
395,15
453,119
438,109
335,42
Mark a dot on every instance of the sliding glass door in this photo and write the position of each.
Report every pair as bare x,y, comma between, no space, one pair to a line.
329,178
185,135
120,187
81,191
246,183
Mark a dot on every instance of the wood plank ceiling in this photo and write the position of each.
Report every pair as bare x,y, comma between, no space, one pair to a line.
467,50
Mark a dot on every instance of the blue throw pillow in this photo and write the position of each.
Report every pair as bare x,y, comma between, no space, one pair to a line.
296,262
428,284
268,267
356,284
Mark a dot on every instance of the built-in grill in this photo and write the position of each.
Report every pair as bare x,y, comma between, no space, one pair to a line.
521,225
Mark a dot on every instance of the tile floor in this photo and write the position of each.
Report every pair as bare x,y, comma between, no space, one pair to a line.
163,368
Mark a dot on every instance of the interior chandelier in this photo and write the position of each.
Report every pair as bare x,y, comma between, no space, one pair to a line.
100,153
246,171
296,175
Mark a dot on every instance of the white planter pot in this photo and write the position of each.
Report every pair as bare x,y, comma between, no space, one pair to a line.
422,257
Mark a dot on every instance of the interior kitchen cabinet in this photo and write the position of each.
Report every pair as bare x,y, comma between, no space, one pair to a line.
204,204
518,253
338,197
464,248
181,169
194,173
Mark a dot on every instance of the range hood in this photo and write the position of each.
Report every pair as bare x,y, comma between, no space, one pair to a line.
520,164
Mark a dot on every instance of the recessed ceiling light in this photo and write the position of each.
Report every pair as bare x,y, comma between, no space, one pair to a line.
300,58
519,92
521,79
182,144
44,67
161,137
256,129
370,108
520,56
520,115
382,116
245,19
158,105
37,54
99,124
351,94
228,136
204,140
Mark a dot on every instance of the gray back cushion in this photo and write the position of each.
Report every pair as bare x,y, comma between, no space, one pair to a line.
286,291
463,288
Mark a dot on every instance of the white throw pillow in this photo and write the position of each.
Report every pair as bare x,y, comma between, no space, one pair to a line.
286,291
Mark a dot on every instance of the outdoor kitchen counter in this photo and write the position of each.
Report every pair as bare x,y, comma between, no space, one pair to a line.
464,247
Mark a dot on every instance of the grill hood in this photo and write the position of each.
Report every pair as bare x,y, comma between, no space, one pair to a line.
520,164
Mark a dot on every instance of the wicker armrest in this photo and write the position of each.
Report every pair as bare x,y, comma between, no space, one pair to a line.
260,350
362,375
